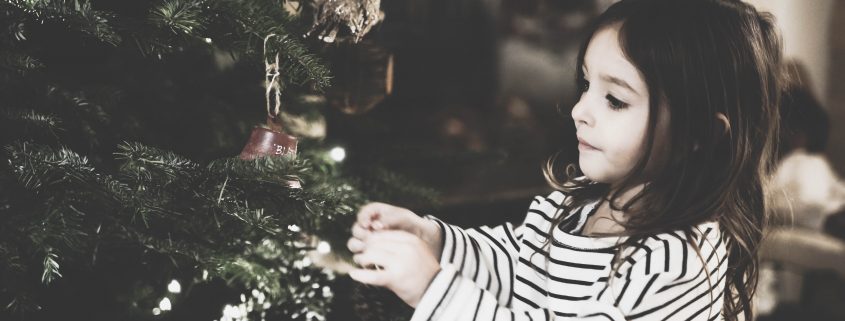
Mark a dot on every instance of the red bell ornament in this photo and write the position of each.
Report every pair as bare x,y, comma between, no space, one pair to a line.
270,140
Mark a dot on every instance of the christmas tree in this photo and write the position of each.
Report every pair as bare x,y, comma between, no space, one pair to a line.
122,194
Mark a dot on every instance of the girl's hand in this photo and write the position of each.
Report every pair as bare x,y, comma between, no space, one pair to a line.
402,263
380,216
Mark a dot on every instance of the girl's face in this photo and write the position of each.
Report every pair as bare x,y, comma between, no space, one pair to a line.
611,117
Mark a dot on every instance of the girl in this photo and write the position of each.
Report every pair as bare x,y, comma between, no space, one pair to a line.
675,122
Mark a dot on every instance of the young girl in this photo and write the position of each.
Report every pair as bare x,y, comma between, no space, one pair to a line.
675,122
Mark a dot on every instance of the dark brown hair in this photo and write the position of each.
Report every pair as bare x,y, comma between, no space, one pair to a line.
699,58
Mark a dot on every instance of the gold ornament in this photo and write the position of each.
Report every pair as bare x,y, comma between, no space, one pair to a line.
357,16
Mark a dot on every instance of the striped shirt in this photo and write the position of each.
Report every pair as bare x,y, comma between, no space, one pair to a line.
502,273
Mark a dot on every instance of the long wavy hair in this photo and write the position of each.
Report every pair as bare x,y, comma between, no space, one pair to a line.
699,57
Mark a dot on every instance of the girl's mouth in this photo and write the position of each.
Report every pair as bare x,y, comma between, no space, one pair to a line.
584,146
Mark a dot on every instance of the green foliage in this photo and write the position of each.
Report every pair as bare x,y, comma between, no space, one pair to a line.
222,217
263,18
185,17
75,14
232,217
18,62
51,268
94,98
173,26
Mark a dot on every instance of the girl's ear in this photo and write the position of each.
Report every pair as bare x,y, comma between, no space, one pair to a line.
725,124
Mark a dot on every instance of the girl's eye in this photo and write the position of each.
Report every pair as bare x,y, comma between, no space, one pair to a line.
615,103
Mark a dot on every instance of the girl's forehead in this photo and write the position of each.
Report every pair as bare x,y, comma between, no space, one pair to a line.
604,56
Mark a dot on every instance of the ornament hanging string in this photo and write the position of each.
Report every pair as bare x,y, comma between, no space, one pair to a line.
272,83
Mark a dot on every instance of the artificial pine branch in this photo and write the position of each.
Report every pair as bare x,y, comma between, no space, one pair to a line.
187,24
51,267
18,62
76,14
45,172
35,126
152,165
261,18
180,16
38,167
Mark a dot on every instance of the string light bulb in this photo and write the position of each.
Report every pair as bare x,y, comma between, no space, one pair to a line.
338,154
174,287
165,304
324,247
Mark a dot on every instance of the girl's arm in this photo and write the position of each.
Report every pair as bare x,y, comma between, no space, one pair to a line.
484,255
488,256
663,281
451,296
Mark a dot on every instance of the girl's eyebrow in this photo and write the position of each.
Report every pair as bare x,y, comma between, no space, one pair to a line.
613,80
619,82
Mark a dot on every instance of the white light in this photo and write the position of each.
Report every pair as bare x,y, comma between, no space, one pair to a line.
327,292
156,311
337,154
230,312
207,40
324,247
174,287
293,228
164,305
234,312
205,274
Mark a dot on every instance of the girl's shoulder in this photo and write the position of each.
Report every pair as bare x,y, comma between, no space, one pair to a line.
546,209
549,207
684,255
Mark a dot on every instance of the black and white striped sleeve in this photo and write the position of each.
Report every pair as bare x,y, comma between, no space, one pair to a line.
484,255
665,282
451,296
489,255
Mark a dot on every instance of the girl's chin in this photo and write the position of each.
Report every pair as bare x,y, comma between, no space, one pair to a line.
597,180
592,168
597,175
593,175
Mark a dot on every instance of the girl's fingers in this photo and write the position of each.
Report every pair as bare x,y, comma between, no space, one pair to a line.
359,232
377,225
373,257
369,213
355,245
390,237
373,277
387,246
380,216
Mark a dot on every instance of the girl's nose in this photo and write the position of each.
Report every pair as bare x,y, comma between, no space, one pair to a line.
580,114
